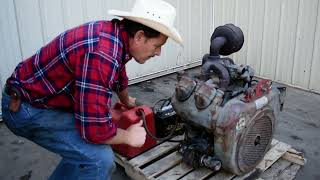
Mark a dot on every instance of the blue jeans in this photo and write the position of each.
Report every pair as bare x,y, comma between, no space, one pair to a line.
55,130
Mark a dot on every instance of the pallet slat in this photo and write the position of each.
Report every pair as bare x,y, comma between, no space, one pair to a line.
275,170
153,153
162,165
273,155
290,173
294,157
200,173
222,175
177,172
134,172
164,162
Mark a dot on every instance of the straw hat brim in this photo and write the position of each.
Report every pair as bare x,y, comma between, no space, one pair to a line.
167,30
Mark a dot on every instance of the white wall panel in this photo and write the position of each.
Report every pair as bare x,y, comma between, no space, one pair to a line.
94,10
29,23
287,40
229,10
304,43
281,38
219,12
255,34
242,14
52,19
270,38
207,28
73,13
10,52
195,25
185,25
315,73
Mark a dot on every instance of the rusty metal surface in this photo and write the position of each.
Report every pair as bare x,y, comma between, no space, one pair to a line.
185,88
204,95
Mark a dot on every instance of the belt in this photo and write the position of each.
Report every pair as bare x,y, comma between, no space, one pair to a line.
15,98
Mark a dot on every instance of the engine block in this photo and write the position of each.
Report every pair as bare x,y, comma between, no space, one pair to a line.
230,115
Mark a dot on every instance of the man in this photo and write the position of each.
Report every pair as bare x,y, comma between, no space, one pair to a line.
60,98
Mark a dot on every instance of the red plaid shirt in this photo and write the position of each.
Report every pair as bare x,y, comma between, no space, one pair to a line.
77,72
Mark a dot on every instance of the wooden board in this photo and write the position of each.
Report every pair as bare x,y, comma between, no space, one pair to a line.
163,162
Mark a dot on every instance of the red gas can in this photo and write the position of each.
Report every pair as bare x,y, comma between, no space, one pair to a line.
124,118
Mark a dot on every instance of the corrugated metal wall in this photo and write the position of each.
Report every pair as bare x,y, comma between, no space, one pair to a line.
26,25
282,38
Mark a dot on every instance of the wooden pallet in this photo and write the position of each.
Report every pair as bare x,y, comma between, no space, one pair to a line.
164,162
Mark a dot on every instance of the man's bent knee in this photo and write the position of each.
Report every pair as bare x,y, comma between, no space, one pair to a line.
105,159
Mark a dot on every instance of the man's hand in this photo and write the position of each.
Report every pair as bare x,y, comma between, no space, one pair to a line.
131,102
136,135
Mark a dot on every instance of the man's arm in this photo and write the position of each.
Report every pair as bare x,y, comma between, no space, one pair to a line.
122,90
126,99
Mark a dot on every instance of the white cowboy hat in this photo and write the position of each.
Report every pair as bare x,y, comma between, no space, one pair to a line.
156,14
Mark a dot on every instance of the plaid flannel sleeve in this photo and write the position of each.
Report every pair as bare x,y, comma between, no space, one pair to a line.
123,79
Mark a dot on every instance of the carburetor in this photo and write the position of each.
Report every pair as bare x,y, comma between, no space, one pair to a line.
230,116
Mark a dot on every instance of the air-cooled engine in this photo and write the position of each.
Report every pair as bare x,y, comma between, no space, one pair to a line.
230,116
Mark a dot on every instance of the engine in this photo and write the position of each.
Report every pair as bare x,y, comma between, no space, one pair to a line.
229,115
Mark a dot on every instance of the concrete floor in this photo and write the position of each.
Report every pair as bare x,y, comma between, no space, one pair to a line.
298,125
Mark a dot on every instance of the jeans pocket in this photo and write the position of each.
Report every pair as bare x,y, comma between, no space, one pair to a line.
17,119
21,118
